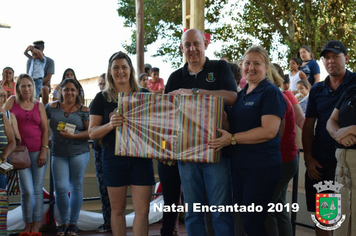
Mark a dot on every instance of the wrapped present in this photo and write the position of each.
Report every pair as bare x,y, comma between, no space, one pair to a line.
169,127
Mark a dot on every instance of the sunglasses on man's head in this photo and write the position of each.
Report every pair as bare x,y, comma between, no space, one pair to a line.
352,102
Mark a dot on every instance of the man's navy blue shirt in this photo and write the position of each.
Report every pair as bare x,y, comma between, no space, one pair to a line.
322,101
215,75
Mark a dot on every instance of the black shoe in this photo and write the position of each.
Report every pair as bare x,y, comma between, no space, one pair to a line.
62,231
104,228
72,230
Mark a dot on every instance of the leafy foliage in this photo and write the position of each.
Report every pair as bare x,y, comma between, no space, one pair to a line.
281,26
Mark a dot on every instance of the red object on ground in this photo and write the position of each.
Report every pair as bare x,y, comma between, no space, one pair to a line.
159,190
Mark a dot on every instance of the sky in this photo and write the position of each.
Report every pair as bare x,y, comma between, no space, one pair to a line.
78,34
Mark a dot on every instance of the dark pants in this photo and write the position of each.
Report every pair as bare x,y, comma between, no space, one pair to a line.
105,201
328,173
255,186
170,182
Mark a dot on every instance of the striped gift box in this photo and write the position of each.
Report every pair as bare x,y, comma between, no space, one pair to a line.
3,212
169,127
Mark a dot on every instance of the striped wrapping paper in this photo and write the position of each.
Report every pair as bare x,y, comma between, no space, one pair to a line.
3,212
169,127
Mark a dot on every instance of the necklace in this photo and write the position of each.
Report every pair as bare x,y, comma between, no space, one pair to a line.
66,114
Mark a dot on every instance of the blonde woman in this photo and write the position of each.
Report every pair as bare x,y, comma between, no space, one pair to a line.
254,139
33,128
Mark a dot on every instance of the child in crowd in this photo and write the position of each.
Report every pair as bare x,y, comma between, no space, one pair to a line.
303,95
286,83
143,80
236,72
156,84
36,68
295,74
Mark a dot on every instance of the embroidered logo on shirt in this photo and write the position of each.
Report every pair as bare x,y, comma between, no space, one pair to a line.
210,77
249,103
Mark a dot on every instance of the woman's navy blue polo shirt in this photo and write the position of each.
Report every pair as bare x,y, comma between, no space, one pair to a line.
245,114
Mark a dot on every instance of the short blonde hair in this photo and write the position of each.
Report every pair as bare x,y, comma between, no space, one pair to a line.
272,74
17,89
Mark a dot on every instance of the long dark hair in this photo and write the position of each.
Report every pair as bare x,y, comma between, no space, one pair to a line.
13,72
80,90
309,50
77,86
110,91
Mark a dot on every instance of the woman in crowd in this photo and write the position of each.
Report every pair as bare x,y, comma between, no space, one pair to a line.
298,113
309,65
121,171
11,117
7,137
69,121
279,223
242,80
342,127
8,82
254,139
7,145
32,124
68,73
236,72
303,94
296,74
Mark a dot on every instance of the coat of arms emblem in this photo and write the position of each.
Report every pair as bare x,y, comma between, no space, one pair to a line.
328,206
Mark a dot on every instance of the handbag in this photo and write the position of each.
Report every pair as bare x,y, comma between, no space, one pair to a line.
20,158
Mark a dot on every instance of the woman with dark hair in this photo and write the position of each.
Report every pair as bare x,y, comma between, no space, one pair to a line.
32,123
69,121
236,72
8,82
309,65
121,171
68,73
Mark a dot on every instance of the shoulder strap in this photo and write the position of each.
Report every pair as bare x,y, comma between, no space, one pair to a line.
8,114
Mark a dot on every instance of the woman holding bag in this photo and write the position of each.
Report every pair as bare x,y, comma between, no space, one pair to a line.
69,121
32,123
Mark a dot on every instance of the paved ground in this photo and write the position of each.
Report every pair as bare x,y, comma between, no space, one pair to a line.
154,231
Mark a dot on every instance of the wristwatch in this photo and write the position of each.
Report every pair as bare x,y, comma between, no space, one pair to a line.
233,140
195,90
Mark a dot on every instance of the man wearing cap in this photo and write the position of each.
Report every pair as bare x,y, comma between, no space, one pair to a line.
48,72
319,148
204,77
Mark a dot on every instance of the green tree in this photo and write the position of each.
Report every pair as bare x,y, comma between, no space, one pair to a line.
163,23
281,26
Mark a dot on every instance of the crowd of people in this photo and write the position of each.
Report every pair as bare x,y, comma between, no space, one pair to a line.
260,155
